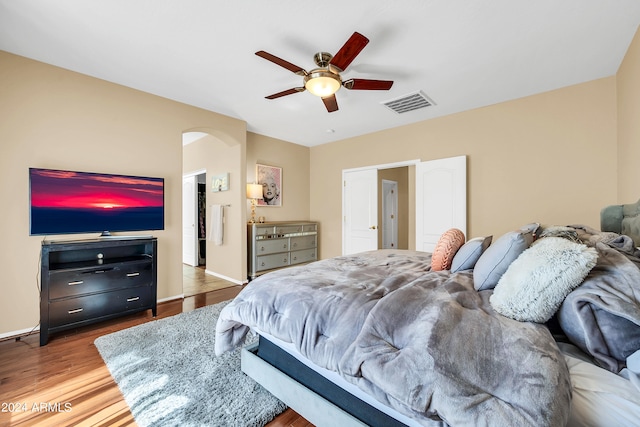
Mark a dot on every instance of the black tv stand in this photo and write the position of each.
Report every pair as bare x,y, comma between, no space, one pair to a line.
87,281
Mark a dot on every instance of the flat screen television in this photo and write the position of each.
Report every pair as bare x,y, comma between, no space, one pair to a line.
68,202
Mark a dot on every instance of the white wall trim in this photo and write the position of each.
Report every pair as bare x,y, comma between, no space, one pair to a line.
383,166
198,172
19,333
228,279
175,297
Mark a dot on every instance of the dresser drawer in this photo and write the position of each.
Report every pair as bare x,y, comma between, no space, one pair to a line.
267,262
69,283
89,307
264,247
303,242
288,229
307,255
265,230
310,227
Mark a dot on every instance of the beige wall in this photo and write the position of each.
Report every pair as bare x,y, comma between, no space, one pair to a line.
549,158
628,92
294,161
217,156
53,118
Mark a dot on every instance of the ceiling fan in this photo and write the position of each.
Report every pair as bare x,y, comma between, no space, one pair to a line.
325,80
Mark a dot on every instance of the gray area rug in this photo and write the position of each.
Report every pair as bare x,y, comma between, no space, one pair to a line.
170,376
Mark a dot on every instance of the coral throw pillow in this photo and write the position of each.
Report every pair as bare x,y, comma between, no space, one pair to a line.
446,248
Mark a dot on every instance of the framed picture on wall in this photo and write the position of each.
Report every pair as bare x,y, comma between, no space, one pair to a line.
270,177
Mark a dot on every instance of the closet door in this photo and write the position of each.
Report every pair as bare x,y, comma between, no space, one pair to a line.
441,199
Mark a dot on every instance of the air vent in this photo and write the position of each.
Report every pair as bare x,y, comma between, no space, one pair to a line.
411,102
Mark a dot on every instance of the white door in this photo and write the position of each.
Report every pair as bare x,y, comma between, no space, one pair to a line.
189,220
360,210
441,199
389,214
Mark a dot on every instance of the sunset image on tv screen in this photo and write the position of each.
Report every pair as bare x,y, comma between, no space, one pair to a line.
77,202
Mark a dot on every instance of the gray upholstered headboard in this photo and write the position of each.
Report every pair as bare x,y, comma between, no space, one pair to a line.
622,219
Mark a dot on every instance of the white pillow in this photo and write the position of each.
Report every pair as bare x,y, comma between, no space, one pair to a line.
536,283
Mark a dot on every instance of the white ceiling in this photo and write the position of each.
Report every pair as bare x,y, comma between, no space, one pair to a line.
463,54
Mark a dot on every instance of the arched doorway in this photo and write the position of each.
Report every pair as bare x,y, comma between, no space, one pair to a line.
208,153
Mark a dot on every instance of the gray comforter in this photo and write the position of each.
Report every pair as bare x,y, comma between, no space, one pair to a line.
602,316
425,343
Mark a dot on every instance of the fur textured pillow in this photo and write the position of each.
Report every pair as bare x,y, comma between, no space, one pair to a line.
536,283
446,248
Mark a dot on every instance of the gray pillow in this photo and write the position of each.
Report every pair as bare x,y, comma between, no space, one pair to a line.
535,284
534,227
497,258
469,253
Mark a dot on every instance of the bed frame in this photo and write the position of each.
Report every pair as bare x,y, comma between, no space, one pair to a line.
314,408
311,395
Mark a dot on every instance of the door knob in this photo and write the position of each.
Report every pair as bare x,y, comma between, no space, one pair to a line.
373,227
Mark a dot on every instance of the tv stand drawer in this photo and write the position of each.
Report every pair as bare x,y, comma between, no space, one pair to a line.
76,310
99,279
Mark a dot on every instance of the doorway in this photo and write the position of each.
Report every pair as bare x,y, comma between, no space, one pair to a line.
363,203
436,196
194,231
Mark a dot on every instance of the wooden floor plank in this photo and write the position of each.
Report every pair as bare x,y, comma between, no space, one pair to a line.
67,383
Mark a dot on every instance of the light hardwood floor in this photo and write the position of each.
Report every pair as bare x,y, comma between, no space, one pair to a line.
66,382
196,281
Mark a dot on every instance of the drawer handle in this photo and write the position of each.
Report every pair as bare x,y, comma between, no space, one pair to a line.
295,245
284,260
77,282
262,248
77,310
284,246
133,299
133,274
262,265
295,258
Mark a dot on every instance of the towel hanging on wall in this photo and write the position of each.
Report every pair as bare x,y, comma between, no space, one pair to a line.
217,224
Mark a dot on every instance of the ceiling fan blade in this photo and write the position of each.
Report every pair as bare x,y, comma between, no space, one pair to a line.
349,51
285,93
281,62
366,84
331,103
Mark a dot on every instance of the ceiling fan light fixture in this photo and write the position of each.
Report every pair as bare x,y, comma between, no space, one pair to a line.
322,83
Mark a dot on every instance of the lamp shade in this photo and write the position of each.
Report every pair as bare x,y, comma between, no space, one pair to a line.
254,191
322,83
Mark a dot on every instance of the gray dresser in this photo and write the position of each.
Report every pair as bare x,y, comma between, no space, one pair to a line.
273,245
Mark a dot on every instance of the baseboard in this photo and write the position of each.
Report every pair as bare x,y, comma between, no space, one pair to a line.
228,279
175,297
20,333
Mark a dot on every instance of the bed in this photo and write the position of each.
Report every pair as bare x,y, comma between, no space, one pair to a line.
539,327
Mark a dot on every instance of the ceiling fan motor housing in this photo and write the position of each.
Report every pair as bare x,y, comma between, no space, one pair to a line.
322,59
